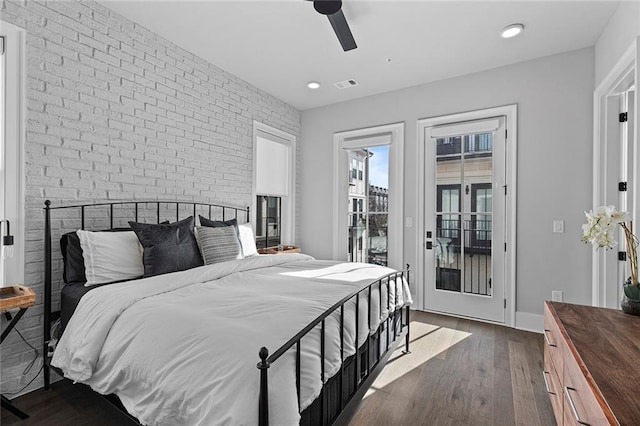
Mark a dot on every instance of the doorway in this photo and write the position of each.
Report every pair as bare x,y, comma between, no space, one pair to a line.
368,182
467,212
12,133
616,176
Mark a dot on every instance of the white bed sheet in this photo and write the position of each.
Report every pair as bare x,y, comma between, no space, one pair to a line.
182,348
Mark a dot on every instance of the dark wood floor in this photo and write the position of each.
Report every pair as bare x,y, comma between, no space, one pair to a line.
459,372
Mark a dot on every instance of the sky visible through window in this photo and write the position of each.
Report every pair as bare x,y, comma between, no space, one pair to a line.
379,166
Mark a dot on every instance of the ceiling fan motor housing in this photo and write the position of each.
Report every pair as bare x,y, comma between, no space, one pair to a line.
327,7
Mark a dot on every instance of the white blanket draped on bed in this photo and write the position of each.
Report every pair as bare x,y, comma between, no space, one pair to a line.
182,348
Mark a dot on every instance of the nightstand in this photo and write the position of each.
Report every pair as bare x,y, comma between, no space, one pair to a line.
16,297
274,250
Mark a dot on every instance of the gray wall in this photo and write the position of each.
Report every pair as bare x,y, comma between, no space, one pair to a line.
621,31
116,112
554,97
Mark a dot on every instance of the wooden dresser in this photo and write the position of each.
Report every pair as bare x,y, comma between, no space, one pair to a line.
592,365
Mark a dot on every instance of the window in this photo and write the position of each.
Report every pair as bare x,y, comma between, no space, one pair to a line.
268,221
448,216
482,206
475,145
274,186
478,143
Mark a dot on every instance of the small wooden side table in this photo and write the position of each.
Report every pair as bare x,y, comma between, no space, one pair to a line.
274,250
16,297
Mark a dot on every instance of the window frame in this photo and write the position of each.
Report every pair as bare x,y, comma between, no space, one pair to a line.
288,202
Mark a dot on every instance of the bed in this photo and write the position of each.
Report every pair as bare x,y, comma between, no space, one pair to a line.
190,346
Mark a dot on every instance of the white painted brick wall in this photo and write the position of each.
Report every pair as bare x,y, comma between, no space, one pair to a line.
116,112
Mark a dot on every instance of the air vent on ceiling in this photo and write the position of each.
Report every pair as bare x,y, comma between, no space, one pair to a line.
346,84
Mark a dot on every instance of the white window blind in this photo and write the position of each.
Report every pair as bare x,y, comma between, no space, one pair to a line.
465,128
272,165
379,139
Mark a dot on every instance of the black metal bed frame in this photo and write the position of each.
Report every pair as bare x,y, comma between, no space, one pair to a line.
363,377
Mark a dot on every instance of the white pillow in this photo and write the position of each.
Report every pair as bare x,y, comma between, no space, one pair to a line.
247,240
110,256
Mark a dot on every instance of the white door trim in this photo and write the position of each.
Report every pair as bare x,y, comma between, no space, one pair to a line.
510,112
625,68
14,199
396,190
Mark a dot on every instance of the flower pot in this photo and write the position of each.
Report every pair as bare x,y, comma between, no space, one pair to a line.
631,291
629,306
630,302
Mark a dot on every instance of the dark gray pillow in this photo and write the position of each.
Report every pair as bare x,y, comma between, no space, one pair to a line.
168,248
218,223
218,244
72,259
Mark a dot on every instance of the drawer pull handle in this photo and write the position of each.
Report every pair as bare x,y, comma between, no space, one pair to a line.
553,345
573,406
546,383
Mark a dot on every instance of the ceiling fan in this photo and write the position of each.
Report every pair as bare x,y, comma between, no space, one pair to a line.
333,10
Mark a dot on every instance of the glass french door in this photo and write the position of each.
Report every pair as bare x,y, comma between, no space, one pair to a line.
465,219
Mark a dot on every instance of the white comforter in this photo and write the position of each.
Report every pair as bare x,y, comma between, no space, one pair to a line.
182,348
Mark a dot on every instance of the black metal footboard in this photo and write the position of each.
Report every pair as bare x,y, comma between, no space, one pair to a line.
366,361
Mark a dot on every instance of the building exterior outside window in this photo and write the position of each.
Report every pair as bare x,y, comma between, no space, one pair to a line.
368,210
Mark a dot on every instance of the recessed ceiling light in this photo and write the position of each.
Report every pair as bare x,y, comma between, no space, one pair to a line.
511,30
313,85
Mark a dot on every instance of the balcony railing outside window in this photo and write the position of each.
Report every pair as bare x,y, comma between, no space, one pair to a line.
473,144
477,255
368,246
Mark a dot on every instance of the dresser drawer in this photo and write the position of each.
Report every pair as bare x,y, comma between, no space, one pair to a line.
553,341
553,386
581,406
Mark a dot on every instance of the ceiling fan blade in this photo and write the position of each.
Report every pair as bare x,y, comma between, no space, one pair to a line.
341,28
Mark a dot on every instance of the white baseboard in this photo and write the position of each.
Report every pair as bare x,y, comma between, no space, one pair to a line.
529,322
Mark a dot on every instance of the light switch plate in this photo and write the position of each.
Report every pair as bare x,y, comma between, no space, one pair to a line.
558,226
408,222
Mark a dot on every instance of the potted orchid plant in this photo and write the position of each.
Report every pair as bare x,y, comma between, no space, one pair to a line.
600,232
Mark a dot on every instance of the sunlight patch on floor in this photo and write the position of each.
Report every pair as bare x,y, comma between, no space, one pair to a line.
427,342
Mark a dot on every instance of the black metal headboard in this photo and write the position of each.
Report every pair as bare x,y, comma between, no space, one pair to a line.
132,210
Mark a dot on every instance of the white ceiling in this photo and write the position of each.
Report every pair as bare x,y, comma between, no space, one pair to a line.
279,46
